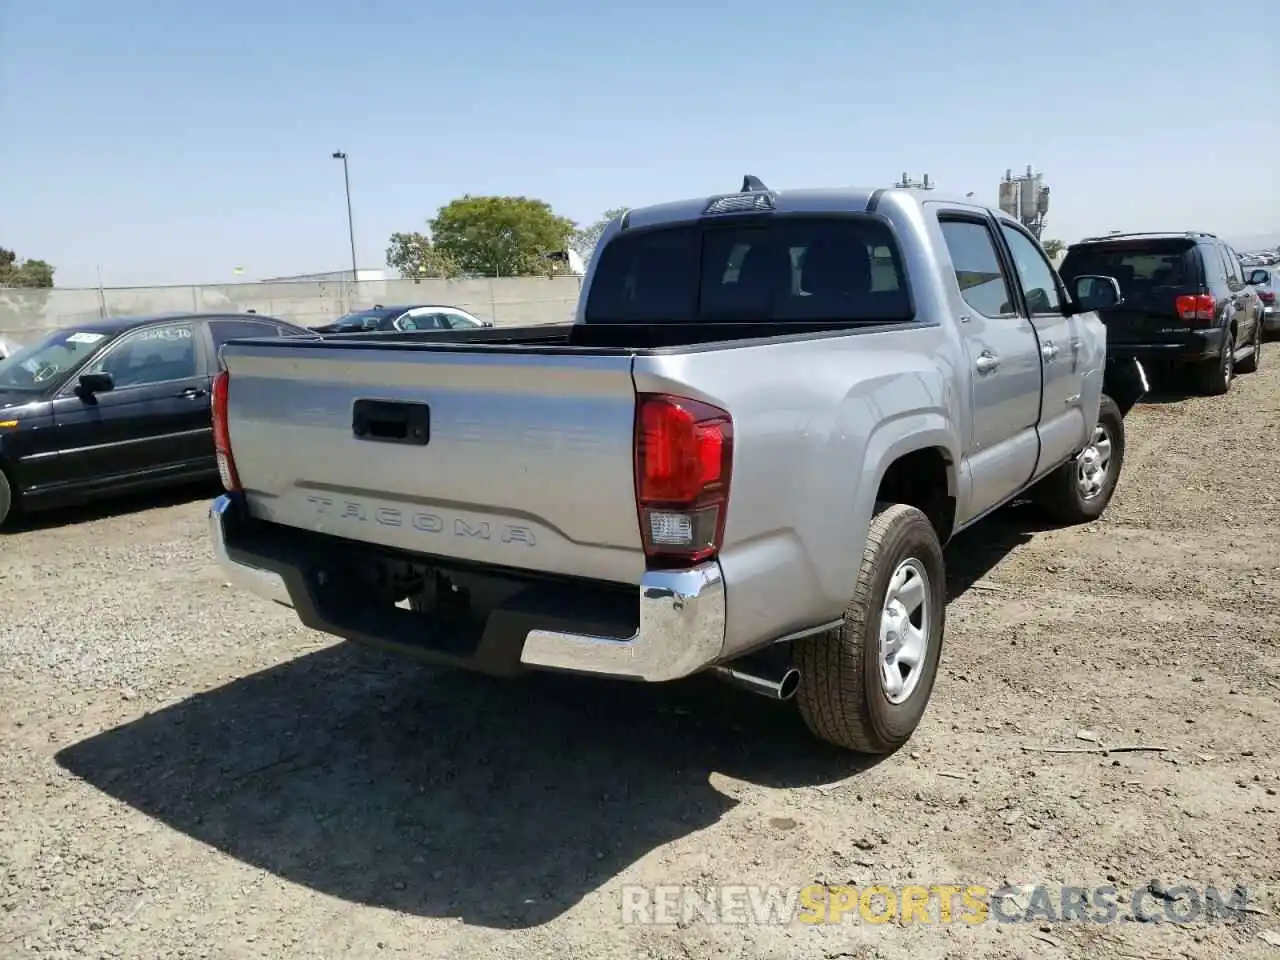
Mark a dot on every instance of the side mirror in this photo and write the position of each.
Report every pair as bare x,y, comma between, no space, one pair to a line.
486,323
91,383
1258,278
1093,292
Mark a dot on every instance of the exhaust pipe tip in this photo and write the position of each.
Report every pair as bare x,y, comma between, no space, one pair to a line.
789,684
783,688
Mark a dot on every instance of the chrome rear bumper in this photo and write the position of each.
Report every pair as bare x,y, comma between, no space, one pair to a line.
682,624
681,618
264,583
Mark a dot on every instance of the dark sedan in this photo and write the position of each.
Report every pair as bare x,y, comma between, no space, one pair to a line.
423,316
115,406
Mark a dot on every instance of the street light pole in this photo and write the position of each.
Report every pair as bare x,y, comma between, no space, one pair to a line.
351,230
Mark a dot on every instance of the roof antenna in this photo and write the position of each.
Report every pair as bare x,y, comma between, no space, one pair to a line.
752,184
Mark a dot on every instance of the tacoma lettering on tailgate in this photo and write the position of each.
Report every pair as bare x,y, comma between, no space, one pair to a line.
420,520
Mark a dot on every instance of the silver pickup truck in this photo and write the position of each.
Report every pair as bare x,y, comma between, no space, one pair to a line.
743,457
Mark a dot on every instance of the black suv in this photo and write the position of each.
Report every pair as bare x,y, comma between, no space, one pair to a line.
1186,306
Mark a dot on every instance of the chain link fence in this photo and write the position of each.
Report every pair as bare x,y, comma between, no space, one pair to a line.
507,301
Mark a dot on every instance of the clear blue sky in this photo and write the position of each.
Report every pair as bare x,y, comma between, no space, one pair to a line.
171,142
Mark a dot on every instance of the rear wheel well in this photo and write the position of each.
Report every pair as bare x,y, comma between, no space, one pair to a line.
922,479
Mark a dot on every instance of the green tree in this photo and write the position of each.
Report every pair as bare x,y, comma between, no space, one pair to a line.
414,255
28,273
584,239
1053,248
500,236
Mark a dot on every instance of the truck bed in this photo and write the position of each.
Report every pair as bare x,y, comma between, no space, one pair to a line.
526,456
526,459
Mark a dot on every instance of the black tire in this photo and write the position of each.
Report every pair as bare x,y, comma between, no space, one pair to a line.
1250,363
1214,377
843,695
1062,494
6,498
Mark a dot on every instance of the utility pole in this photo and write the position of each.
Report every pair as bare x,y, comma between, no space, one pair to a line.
915,184
351,230
102,297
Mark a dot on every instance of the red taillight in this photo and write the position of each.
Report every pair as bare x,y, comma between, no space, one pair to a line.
1198,306
221,433
684,457
1267,296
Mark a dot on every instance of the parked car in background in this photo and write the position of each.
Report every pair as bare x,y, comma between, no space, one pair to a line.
744,456
114,406
1263,280
410,317
1186,305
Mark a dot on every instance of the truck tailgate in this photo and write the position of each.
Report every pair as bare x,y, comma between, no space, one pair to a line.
527,462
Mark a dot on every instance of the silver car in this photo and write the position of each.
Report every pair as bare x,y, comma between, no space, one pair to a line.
1264,280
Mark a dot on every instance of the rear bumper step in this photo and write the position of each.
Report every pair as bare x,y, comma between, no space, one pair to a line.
674,628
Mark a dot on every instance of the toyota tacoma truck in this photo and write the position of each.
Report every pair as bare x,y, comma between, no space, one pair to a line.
742,457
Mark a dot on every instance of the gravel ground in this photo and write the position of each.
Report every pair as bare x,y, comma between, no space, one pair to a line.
186,772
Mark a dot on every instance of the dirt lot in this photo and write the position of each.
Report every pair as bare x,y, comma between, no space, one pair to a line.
186,772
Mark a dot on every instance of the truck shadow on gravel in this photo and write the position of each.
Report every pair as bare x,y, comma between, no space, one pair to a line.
445,794
971,555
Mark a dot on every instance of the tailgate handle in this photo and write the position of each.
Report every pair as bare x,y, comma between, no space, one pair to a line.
387,421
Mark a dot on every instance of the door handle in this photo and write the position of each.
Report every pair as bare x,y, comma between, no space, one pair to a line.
1048,350
192,393
986,362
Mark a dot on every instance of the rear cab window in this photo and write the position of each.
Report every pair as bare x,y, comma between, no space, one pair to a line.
1142,267
775,269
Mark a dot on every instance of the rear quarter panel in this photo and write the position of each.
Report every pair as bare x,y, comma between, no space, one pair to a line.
816,424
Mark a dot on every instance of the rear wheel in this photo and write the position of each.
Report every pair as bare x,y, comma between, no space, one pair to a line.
6,498
1250,363
1080,489
1215,376
864,686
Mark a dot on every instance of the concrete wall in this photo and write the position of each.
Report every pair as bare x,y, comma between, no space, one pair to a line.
28,314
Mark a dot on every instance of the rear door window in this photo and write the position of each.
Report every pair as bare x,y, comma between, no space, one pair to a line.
458,321
1215,264
421,320
979,275
779,269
